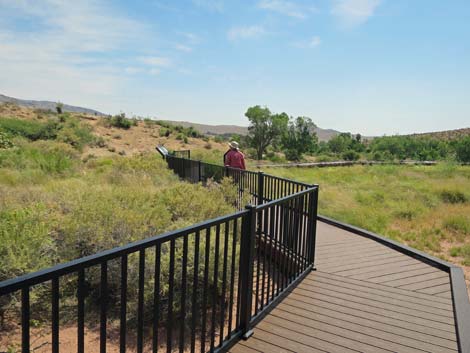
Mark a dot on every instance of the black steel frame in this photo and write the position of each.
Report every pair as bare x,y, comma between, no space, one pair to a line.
271,244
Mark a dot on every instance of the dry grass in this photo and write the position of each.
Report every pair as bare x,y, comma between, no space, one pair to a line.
427,208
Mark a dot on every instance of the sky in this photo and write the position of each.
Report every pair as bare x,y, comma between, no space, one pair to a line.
369,66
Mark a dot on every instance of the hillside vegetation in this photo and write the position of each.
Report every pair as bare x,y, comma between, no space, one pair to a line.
65,195
427,208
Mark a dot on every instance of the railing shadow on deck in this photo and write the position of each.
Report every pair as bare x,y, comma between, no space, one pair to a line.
203,287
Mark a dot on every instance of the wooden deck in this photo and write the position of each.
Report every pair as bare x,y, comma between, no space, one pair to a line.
364,297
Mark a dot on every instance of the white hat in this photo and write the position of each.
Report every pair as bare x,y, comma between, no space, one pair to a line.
233,144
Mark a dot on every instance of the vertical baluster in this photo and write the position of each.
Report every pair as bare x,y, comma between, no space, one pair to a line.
156,297
263,235
205,290
184,269
214,292
123,308
224,285
140,303
171,276
55,315
103,305
232,276
271,268
25,318
81,311
195,287
258,256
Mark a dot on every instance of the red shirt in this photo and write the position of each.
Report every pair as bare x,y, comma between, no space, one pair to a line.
235,159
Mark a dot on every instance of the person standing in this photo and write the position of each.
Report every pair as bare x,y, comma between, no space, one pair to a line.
234,158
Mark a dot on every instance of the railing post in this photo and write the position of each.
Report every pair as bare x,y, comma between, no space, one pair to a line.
183,172
247,253
312,222
260,188
199,169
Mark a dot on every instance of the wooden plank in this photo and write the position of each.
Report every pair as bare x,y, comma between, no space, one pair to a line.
370,276
371,316
350,250
427,284
356,259
403,274
397,301
314,339
260,345
319,313
379,302
447,294
366,284
436,274
436,289
241,348
311,296
363,334
286,343
386,293
366,267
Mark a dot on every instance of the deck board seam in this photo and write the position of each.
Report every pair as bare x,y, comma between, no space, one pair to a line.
358,290
385,323
362,333
443,301
382,330
396,312
383,302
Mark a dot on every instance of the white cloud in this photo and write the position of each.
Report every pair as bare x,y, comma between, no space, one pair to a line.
313,42
286,8
182,47
132,70
190,37
68,54
155,61
245,32
154,71
352,13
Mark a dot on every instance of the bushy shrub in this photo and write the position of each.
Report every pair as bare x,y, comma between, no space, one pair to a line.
120,121
453,196
30,129
462,150
46,156
351,156
5,141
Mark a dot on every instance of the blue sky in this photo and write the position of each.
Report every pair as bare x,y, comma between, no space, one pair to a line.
369,66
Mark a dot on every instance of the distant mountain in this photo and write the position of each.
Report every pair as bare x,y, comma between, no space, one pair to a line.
47,105
444,135
323,134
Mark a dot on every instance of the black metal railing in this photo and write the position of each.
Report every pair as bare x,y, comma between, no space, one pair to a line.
200,288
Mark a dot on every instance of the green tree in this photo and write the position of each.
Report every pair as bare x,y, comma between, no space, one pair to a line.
265,128
300,138
462,150
59,107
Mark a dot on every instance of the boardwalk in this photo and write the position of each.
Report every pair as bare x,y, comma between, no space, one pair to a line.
364,297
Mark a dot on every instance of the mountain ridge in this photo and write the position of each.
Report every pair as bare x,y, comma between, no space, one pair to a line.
47,105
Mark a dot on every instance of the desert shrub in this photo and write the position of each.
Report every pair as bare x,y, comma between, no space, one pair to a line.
75,133
324,158
351,155
458,223
164,132
453,196
462,150
275,157
185,139
32,130
5,141
120,121
180,137
47,156
208,146
218,139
